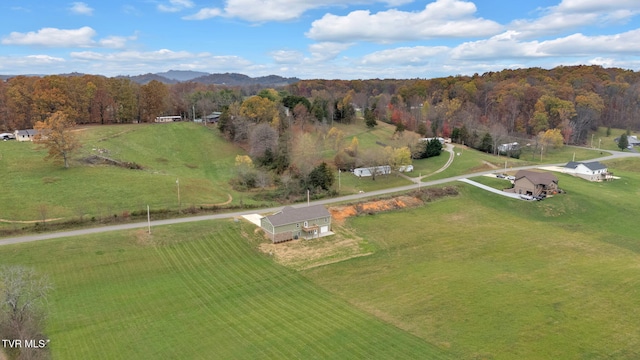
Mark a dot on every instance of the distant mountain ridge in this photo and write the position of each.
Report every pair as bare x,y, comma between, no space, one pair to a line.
177,76
229,79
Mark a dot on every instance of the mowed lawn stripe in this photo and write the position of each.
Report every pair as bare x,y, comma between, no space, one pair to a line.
211,290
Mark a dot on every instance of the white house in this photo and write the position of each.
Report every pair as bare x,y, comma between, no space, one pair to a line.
378,170
442,140
592,171
165,119
632,140
25,135
503,148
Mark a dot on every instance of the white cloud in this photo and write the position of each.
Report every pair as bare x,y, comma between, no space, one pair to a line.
175,6
597,5
326,51
52,37
204,14
65,38
287,56
579,44
405,55
81,8
439,19
140,62
29,64
278,10
572,14
115,42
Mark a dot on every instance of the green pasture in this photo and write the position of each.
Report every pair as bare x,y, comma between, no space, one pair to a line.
197,291
468,161
197,157
488,277
602,141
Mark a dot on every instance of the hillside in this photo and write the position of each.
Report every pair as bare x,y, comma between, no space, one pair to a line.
99,190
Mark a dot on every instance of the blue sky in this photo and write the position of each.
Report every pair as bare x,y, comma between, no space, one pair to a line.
327,39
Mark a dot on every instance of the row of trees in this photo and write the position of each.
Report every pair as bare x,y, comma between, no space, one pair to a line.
89,99
524,102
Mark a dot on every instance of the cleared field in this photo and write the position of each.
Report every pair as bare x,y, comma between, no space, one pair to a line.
487,277
34,189
197,291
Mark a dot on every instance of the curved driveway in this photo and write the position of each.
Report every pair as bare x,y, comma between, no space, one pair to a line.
29,238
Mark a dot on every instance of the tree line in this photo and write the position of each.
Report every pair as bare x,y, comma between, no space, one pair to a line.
523,102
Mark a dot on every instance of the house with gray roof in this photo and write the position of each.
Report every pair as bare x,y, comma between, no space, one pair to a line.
592,171
534,183
25,135
306,222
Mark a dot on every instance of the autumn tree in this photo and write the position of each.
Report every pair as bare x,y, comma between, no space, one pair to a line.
398,157
589,109
124,93
56,135
305,154
153,98
260,110
301,114
23,294
245,171
263,137
552,138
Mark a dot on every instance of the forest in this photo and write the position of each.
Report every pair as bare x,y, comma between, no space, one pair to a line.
519,103
279,127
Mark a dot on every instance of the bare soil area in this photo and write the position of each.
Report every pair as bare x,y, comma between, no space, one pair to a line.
346,243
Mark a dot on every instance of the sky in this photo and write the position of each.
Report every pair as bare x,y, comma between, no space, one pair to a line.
315,39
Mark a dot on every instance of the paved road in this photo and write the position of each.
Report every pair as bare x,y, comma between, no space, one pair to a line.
29,238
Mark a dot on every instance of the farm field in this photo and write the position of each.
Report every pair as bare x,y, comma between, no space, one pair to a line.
198,157
197,291
484,276
466,277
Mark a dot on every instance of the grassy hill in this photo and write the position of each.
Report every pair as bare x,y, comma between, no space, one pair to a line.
202,161
198,157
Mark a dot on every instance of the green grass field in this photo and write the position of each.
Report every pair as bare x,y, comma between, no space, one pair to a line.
476,276
487,277
197,156
197,291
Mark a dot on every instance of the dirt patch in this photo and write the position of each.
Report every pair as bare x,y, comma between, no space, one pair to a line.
340,213
307,254
346,243
143,238
103,160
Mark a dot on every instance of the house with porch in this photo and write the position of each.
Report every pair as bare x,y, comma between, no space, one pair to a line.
592,171
534,183
306,222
